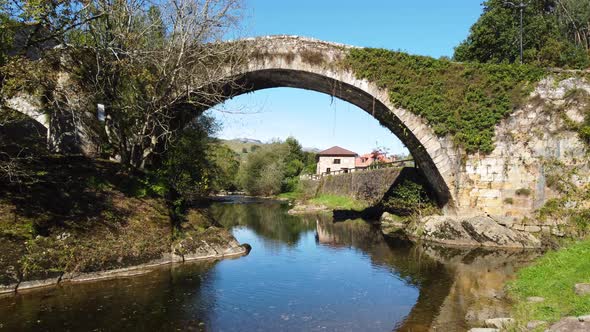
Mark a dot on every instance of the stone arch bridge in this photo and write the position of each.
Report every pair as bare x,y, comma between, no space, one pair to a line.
480,184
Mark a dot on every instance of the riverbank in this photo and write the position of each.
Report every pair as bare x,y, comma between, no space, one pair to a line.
74,219
555,286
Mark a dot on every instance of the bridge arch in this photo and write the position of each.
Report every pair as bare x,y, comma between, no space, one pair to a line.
29,107
296,62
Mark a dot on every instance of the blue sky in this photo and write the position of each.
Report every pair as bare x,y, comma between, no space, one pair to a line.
425,27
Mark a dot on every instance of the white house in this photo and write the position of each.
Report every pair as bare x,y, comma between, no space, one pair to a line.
335,159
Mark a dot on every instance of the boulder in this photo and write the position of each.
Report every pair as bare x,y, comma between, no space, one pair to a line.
479,231
570,324
499,323
582,289
534,324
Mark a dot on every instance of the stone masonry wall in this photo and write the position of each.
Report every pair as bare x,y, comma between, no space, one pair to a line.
368,185
511,183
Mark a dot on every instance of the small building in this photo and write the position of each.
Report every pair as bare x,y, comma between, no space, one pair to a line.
375,157
335,160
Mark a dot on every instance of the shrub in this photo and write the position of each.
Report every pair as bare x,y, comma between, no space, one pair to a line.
408,198
523,192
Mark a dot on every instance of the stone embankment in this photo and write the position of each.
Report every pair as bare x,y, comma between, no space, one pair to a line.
205,251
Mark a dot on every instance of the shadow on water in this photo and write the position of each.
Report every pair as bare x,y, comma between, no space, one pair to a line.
166,299
422,287
459,287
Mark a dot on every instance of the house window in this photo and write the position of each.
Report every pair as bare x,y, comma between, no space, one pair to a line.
336,161
328,170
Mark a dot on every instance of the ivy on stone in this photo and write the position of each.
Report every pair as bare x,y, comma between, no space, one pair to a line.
463,100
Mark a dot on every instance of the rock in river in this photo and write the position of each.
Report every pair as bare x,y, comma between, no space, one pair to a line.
479,231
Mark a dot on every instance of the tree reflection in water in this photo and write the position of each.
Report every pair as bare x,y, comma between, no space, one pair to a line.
296,278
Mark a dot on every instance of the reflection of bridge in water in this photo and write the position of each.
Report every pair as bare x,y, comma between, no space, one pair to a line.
458,285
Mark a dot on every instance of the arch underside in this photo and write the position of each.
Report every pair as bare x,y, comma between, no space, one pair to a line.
275,78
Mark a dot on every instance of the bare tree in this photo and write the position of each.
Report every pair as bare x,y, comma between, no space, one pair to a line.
154,64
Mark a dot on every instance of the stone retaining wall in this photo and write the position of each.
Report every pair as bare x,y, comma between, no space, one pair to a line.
369,185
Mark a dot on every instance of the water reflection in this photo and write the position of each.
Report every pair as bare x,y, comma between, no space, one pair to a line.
304,273
268,219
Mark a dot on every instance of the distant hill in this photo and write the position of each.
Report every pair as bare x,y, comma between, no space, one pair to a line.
243,146
314,150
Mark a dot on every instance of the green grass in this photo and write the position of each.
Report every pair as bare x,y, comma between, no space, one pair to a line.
290,195
339,202
553,277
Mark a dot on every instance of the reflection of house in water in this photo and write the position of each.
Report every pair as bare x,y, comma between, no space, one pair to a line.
324,236
351,233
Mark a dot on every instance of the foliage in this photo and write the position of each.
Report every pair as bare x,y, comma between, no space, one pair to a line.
553,277
142,60
465,101
196,164
226,165
6,35
579,99
523,192
552,34
408,198
274,168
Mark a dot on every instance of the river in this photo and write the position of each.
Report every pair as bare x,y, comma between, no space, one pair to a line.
303,274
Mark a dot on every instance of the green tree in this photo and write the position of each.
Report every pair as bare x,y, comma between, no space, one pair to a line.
495,37
186,171
226,164
274,168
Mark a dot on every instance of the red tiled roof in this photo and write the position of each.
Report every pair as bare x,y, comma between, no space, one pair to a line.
368,159
337,151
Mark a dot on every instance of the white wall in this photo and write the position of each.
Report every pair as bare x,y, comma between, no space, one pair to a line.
326,162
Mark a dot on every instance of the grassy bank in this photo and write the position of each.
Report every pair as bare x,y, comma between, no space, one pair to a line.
334,202
553,277
339,202
77,215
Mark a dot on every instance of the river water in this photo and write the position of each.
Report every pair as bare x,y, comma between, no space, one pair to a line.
303,274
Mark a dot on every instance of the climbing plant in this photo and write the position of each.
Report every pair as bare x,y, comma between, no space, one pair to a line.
463,100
